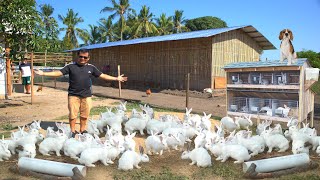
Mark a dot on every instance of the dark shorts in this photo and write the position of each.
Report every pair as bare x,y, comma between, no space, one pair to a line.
26,80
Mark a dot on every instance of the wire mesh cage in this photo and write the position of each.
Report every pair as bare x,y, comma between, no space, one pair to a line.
268,107
255,78
293,78
266,78
280,78
285,108
238,104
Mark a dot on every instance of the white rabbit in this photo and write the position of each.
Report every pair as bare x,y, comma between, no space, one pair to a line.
244,122
266,109
115,150
156,144
53,144
299,147
130,159
137,124
29,150
148,110
228,124
275,141
129,142
249,143
65,128
74,147
36,125
93,128
237,152
92,155
262,126
50,132
292,122
215,149
4,151
122,106
200,140
199,156
205,121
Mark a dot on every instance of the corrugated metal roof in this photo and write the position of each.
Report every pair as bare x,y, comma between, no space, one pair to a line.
300,62
250,30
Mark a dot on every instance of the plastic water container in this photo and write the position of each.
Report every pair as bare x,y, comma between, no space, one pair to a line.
312,74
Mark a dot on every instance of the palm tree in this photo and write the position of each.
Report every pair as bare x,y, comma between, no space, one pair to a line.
92,36
119,9
165,24
50,25
144,27
71,21
107,30
179,20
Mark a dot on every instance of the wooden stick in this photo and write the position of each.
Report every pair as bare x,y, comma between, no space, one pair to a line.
252,174
187,91
32,76
119,81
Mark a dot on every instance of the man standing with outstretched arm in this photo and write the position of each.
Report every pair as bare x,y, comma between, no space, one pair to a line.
80,84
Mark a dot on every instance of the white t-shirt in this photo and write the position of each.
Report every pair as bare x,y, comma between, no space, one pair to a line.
25,69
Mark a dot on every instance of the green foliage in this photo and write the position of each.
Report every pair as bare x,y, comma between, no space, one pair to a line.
147,175
312,56
19,21
7,127
6,134
316,87
206,22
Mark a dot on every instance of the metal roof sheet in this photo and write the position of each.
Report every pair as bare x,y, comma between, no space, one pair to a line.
250,30
274,63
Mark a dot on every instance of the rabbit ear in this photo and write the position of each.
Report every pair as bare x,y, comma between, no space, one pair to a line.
140,149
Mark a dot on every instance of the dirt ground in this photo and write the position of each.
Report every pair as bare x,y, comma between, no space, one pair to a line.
51,103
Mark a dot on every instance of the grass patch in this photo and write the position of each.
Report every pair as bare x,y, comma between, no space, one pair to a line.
145,174
62,117
98,98
300,177
6,134
316,87
8,127
135,105
227,170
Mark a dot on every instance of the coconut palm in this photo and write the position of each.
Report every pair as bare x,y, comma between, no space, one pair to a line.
51,30
119,9
144,26
165,24
92,36
107,30
179,21
71,21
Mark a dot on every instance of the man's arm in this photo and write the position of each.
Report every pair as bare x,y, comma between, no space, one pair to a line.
111,78
51,74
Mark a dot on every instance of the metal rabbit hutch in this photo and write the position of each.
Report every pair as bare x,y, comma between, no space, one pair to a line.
271,90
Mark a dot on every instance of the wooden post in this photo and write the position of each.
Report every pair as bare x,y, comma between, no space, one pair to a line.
187,90
32,76
119,81
45,65
8,70
312,109
301,97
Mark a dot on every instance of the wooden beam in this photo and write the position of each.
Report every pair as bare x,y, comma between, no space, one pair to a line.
255,116
260,86
279,68
8,70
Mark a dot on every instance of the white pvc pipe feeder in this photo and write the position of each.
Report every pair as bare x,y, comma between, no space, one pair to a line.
278,163
49,167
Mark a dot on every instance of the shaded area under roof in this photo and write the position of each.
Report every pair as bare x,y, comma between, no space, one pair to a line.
262,41
299,62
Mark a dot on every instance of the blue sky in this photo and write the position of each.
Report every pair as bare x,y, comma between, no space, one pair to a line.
268,16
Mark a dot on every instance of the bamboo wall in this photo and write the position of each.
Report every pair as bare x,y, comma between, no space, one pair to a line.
165,64
160,65
230,47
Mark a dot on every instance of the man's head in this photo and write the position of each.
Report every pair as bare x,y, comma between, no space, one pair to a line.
25,60
83,57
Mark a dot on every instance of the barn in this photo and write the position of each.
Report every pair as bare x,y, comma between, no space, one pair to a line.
164,61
